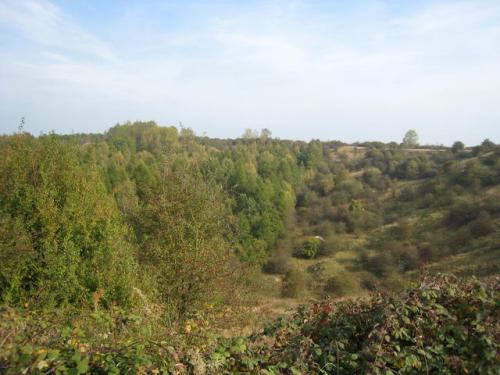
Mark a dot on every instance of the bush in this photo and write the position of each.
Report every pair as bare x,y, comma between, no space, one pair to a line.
341,284
294,284
460,238
186,242
373,177
405,257
340,227
408,194
277,265
311,248
403,230
440,326
461,214
482,225
369,281
379,264
324,229
357,221
427,253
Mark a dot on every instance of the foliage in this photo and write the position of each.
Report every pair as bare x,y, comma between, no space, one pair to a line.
311,248
342,284
153,229
410,139
185,241
112,342
62,238
293,283
441,325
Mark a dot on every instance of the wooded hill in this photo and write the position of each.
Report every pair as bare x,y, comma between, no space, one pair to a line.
155,233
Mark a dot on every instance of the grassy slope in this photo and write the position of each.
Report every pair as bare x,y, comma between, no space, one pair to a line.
480,258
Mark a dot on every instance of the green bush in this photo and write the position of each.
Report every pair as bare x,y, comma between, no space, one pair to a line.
61,234
427,252
460,238
317,269
185,242
311,248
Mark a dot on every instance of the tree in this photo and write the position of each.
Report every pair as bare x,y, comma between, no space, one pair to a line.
410,139
457,147
486,146
185,241
61,238
250,134
265,134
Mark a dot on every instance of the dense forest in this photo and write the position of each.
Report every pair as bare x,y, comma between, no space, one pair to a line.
150,249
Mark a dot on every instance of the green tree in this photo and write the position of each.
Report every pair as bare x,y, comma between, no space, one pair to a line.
311,248
185,239
410,139
457,147
62,236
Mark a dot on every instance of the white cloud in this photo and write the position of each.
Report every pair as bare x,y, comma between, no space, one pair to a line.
302,76
44,23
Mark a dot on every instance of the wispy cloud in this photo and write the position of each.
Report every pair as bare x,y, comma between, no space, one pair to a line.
42,22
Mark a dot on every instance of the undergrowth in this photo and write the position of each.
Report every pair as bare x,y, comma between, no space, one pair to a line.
441,325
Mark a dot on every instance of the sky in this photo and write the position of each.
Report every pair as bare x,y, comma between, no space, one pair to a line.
331,70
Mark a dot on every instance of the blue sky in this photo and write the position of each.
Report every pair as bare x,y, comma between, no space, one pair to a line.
347,70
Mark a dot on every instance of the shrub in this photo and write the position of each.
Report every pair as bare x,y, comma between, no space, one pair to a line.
317,270
405,257
369,281
340,227
186,242
325,229
379,264
461,214
373,177
403,230
426,252
311,248
277,265
341,284
294,284
460,238
482,225
440,326
408,194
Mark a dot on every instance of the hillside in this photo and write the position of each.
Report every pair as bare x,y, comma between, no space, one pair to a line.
139,248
